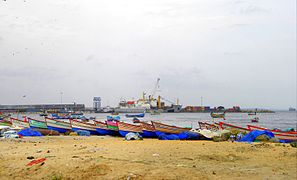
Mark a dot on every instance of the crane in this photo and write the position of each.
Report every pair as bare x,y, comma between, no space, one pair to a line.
156,88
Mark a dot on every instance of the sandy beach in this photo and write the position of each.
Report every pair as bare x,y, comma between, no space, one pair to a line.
74,157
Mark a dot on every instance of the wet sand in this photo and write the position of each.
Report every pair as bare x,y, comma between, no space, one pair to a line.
74,157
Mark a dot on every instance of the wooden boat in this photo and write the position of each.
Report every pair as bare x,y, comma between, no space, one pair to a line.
148,130
285,136
58,125
34,123
19,124
5,123
208,126
135,115
161,128
230,127
78,125
252,127
125,128
217,115
101,128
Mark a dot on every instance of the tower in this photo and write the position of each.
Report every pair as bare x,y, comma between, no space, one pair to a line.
97,103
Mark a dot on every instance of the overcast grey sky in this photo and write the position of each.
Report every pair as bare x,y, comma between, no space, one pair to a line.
231,52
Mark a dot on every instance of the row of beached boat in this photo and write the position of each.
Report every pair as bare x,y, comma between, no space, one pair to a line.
285,136
146,129
110,127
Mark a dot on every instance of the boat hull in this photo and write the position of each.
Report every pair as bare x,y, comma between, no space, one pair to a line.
283,136
37,124
230,126
125,128
76,126
161,128
16,123
92,132
57,125
135,115
148,130
109,132
60,130
149,134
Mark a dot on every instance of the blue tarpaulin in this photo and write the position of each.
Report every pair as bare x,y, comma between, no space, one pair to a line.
188,135
168,137
251,136
29,132
83,133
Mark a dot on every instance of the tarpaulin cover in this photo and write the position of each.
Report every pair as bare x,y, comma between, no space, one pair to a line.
83,133
29,132
168,137
251,136
133,136
188,135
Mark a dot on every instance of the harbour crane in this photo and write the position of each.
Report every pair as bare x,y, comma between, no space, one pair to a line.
156,88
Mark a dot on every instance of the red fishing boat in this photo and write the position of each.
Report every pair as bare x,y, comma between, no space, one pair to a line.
230,126
281,135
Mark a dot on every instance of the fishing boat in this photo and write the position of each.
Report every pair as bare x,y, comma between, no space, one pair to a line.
281,135
161,128
136,120
34,123
4,122
217,115
251,114
58,125
208,126
43,114
19,124
252,127
78,125
135,115
230,127
148,130
101,128
125,128
255,120
112,125
113,118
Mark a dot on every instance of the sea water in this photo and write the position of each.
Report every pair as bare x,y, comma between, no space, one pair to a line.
279,119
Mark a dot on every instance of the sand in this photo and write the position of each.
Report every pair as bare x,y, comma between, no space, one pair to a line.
75,157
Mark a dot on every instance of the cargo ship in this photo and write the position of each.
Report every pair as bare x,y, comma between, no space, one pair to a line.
148,104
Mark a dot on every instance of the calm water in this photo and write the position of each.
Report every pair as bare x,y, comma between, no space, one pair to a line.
280,120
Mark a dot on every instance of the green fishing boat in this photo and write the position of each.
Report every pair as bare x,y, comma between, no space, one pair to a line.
37,123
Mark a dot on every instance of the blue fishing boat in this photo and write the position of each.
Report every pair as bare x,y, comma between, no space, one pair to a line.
113,118
125,128
102,129
148,130
58,125
78,125
135,115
